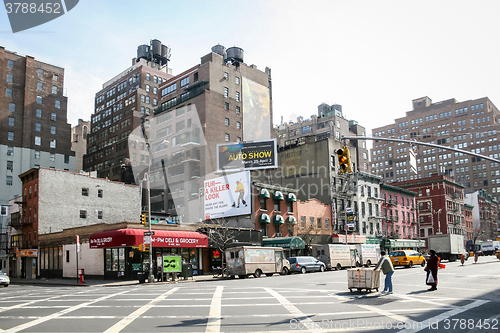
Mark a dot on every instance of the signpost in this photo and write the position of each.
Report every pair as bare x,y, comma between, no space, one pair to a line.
77,251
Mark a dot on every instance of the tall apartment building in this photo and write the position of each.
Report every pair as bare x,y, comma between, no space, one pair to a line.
79,142
119,107
329,123
33,128
471,125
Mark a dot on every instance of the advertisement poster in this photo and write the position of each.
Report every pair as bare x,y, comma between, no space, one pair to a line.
172,264
227,196
256,111
247,156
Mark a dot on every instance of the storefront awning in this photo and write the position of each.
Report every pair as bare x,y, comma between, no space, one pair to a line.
135,237
291,197
263,193
264,218
278,195
292,243
278,219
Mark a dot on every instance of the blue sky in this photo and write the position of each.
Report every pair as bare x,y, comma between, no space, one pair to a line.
373,57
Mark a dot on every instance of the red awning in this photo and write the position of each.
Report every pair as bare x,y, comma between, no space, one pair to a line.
134,237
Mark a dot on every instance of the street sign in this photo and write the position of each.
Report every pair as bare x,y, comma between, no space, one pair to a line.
146,240
346,227
77,243
149,233
350,225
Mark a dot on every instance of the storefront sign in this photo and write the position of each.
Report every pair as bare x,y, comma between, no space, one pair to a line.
26,253
172,264
135,237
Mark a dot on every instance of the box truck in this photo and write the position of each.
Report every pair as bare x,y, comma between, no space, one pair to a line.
243,261
368,254
490,247
448,247
336,255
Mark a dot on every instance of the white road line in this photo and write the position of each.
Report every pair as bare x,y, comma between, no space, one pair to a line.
214,316
58,314
306,321
137,313
48,299
443,316
385,313
407,298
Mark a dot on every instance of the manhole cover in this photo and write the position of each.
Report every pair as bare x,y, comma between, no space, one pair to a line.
371,300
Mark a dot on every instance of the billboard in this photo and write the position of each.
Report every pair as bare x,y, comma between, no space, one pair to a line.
256,111
226,196
247,156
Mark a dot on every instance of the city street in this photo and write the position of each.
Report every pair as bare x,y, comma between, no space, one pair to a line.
467,300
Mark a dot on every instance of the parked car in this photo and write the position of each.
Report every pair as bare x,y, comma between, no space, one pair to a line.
305,264
4,279
407,258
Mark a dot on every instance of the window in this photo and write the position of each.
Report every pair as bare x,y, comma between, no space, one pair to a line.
237,96
38,127
226,121
39,86
38,113
302,221
10,166
238,125
311,222
10,151
237,80
226,75
289,207
226,106
99,214
85,192
327,224
37,154
10,136
83,214
148,88
8,92
10,77
10,64
58,104
226,137
52,157
52,130
8,180
238,110
52,143
40,72
11,121
99,193
276,205
54,90
55,77
39,99
38,141
263,203
66,159
53,116
319,223
185,81
226,92
12,107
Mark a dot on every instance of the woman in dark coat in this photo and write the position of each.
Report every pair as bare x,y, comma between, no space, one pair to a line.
432,267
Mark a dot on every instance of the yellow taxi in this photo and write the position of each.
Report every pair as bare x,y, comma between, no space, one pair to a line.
407,258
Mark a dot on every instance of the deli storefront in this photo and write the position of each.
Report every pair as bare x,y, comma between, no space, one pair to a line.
123,258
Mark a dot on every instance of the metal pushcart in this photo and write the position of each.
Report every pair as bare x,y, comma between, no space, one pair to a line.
363,278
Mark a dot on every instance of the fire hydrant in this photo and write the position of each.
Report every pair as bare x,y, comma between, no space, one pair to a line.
476,256
498,255
462,259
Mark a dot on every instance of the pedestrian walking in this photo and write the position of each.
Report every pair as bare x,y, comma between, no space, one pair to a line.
386,265
432,271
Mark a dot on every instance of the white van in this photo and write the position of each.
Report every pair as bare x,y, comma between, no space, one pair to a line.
243,261
369,254
335,255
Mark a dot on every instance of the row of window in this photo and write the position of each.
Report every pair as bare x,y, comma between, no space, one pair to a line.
83,214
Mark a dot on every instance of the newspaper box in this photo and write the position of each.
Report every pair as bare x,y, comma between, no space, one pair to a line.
363,278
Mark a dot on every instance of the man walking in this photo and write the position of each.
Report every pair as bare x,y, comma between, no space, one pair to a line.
387,268
432,269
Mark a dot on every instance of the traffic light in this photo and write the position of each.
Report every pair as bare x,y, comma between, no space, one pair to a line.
344,160
144,219
144,247
483,232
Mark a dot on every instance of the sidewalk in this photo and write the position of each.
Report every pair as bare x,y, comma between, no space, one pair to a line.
105,283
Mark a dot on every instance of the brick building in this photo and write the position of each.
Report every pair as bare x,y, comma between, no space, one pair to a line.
440,205
484,215
469,221
399,218
33,127
471,125
53,200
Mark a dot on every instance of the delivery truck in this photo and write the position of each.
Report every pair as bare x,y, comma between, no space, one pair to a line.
243,261
336,256
368,254
447,246
490,247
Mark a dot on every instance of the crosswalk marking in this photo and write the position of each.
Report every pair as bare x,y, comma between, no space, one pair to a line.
214,317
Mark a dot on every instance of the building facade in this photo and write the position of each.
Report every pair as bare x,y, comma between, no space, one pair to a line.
399,218
440,202
484,215
33,112
54,200
471,125
79,135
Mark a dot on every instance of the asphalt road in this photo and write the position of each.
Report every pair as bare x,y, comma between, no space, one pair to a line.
467,300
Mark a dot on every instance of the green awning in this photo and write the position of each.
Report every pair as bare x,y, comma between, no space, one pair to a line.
264,218
291,197
291,220
292,243
278,195
278,219
263,193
